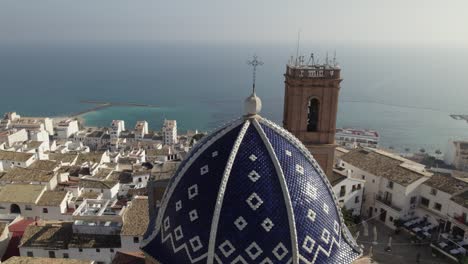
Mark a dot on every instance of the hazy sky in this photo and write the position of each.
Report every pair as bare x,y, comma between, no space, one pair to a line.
432,22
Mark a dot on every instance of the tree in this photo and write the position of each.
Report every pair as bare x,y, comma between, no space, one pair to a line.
422,150
407,150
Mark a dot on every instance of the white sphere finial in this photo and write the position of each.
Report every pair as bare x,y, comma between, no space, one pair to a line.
252,105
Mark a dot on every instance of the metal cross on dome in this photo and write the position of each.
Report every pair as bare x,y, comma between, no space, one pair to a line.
254,63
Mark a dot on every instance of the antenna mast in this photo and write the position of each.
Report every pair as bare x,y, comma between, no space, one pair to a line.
297,47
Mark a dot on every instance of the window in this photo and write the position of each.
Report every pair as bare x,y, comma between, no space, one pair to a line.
343,191
45,210
433,191
65,255
390,185
136,240
359,186
139,179
424,202
373,181
111,250
29,254
356,200
51,254
313,115
98,250
80,250
391,219
363,177
413,200
28,207
437,206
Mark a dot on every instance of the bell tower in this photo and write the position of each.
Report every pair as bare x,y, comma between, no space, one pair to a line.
311,105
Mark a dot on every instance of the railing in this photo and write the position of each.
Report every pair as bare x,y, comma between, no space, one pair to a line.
388,203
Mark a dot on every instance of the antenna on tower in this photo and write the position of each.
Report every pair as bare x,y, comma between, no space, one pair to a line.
297,47
334,59
254,63
326,60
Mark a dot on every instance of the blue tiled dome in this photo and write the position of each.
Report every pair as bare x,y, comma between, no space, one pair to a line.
250,193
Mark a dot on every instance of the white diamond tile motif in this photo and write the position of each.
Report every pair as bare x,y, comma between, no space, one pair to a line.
253,157
313,192
178,205
167,224
288,153
254,201
300,169
308,244
267,224
204,170
266,261
253,251
193,215
325,236
311,215
336,227
254,176
195,243
239,260
326,209
192,191
227,248
240,223
280,251
178,233
214,154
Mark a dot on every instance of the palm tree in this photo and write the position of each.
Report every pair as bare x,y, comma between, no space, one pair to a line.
422,150
438,152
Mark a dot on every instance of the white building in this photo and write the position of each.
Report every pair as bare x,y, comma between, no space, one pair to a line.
348,190
169,131
20,199
457,154
392,182
13,120
12,159
354,138
141,129
108,188
135,222
66,128
117,127
12,136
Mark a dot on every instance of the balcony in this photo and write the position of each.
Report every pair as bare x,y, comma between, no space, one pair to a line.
387,203
460,220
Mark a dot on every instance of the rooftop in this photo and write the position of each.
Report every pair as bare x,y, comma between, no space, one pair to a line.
15,156
45,165
20,193
94,157
94,184
49,236
27,175
52,198
61,157
446,183
28,260
103,173
136,218
387,165
461,199
336,177
95,241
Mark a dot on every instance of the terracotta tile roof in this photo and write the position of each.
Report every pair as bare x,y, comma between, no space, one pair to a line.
446,183
65,158
52,198
95,184
129,258
45,165
385,165
136,217
461,199
27,175
48,236
94,241
20,193
94,157
15,156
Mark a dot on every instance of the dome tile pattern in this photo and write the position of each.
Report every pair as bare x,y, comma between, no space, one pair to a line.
249,193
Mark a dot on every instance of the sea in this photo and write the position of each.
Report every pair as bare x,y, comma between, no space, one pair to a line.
405,93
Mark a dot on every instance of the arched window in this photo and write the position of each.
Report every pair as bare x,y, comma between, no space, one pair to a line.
313,115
